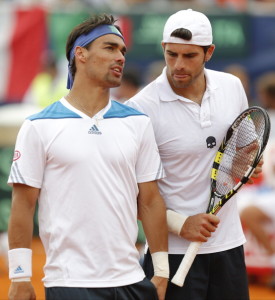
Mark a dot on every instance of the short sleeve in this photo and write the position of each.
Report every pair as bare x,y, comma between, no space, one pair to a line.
149,166
29,157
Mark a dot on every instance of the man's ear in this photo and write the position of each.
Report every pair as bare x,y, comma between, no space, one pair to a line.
80,53
163,46
209,52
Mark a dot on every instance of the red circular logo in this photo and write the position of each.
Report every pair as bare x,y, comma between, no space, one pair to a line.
16,155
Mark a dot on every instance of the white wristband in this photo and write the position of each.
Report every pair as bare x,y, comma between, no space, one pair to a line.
23,279
20,263
175,221
161,264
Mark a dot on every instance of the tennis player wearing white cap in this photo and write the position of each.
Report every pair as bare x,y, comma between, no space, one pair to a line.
191,108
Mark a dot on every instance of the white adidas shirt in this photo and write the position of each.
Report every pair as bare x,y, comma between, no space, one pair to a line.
188,136
87,171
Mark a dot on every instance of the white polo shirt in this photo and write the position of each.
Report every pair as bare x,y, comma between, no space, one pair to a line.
188,136
87,170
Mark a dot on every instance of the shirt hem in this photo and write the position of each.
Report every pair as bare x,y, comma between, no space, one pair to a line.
91,284
211,249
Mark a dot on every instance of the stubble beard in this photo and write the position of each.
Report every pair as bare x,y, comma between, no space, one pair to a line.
112,82
180,85
187,83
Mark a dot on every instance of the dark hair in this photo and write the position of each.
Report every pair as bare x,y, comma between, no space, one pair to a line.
182,33
84,28
186,34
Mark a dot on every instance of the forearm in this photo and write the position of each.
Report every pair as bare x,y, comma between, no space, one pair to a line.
152,212
20,228
153,217
20,235
155,228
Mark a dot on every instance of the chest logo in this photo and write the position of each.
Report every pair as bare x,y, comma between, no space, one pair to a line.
211,142
94,130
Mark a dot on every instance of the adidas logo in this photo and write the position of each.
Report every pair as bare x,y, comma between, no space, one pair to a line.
18,270
94,130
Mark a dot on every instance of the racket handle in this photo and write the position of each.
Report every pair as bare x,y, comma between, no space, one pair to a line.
186,263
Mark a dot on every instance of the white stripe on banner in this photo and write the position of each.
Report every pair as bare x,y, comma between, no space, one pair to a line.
7,24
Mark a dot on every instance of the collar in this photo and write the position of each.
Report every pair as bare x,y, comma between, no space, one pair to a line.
97,116
166,93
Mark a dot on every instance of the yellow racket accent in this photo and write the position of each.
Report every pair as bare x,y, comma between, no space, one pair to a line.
216,208
218,157
229,194
214,173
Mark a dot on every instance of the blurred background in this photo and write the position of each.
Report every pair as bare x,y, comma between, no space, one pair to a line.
34,72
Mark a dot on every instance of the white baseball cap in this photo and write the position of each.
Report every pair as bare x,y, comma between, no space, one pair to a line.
196,22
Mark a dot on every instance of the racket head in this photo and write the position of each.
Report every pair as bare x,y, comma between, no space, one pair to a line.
239,153
237,148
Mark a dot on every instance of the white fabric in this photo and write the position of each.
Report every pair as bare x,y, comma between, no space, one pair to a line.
194,21
175,221
182,128
161,264
20,263
23,279
88,198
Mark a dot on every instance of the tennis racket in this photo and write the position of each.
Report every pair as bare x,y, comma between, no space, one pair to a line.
235,161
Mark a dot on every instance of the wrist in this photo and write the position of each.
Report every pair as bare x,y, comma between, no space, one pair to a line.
175,221
161,264
20,263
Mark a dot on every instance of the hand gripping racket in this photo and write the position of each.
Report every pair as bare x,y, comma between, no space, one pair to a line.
234,163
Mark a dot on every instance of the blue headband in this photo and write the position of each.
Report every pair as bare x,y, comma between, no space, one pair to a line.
86,39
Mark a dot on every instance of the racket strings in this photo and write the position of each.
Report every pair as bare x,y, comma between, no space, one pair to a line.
240,152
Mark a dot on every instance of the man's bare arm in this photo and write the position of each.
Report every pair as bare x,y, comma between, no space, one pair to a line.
152,212
20,233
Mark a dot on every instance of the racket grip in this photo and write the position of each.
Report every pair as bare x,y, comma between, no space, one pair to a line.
186,263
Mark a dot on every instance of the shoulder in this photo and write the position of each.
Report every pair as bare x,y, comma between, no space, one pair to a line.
120,110
54,111
222,77
146,100
129,116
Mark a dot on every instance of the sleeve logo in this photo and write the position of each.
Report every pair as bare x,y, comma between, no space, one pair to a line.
16,155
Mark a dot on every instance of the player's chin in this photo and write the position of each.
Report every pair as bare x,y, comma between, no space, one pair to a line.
114,83
180,84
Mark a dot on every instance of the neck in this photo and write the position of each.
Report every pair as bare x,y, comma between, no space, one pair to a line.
89,103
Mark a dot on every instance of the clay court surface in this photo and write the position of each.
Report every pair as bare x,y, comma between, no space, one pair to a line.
257,292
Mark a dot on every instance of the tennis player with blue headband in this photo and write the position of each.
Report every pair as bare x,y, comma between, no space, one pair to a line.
96,170
85,39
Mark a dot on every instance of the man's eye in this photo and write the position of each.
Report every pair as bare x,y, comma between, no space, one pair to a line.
172,54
